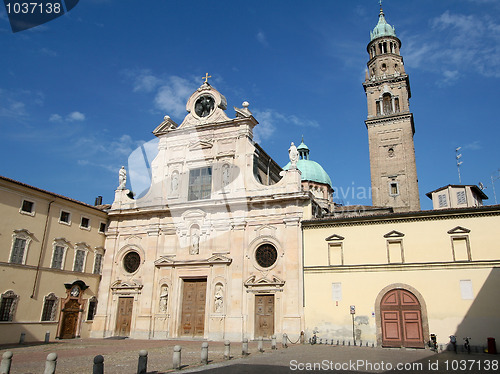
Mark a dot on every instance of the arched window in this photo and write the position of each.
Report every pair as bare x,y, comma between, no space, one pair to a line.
49,307
8,305
387,103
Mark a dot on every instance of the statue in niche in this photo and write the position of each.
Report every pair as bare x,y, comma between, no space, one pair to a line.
219,298
164,299
195,243
175,182
294,156
122,178
225,175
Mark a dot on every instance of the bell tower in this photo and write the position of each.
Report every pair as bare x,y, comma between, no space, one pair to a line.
390,123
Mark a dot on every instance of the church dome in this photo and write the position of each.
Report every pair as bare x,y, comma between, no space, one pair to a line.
382,28
310,170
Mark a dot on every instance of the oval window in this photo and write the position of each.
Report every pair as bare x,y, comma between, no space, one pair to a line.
131,262
266,255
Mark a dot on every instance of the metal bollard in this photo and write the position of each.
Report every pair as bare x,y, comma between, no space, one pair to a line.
244,347
273,342
227,350
22,337
204,353
6,361
284,341
142,365
47,337
98,365
50,363
177,357
260,343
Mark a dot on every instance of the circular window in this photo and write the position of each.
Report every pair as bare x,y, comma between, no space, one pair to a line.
131,262
266,255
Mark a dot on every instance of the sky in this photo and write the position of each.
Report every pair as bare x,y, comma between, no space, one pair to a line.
80,93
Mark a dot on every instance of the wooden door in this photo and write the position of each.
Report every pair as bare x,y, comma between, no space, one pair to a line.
264,316
401,320
70,314
193,307
124,316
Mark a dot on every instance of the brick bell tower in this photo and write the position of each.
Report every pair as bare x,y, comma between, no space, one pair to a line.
390,123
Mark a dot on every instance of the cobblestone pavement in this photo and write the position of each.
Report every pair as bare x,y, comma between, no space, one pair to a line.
121,356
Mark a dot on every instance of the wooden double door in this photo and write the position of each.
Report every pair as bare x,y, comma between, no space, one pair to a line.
401,320
124,316
264,316
194,300
70,314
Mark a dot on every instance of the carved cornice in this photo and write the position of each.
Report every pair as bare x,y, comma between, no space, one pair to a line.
264,283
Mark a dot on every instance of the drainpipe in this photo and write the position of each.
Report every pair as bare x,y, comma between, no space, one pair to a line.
41,250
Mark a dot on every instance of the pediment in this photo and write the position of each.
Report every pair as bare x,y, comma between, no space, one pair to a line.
132,284
459,230
133,237
166,126
394,234
166,261
334,237
266,230
263,282
201,144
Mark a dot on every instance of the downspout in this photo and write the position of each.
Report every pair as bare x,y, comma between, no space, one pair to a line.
41,250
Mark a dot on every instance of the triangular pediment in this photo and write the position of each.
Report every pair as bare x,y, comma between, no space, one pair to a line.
201,144
394,234
166,126
459,230
334,237
164,260
219,259
264,282
126,285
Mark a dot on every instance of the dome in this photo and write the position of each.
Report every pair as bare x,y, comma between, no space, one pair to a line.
382,28
310,170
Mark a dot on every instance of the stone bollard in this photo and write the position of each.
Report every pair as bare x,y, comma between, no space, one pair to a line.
142,366
6,361
98,365
22,337
227,350
47,337
260,343
204,353
244,347
177,357
273,342
284,342
50,363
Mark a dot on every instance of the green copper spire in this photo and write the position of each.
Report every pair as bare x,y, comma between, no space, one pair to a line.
382,28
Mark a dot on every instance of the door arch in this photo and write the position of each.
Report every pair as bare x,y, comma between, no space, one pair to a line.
401,318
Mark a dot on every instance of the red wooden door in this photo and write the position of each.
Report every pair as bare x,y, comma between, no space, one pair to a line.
401,320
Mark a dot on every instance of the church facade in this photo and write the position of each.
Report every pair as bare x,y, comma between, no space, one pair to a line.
214,249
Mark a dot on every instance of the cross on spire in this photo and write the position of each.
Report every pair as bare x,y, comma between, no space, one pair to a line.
206,77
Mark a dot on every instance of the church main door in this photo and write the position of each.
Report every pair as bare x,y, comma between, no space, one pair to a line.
264,316
401,320
193,307
124,317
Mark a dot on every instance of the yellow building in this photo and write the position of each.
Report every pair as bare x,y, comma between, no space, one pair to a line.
407,275
50,263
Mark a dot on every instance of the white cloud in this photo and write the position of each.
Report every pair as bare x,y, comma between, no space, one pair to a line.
76,116
262,39
144,81
474,146
172,96
269,120
11,106
71,117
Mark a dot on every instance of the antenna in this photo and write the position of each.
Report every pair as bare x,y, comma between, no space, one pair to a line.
493,179
458,156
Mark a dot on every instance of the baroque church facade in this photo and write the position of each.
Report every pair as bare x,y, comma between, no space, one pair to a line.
214,249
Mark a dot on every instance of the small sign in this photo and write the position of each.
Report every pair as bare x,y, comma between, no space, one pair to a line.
353,309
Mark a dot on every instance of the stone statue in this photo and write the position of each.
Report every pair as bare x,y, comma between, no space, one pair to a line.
294,156
225,175
175,182
122,178
219,298
164,299
195,244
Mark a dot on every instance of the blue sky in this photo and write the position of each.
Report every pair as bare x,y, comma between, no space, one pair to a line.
80,93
